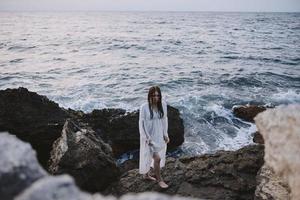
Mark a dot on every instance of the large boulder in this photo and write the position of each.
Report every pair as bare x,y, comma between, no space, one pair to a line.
280,128
120,128
223,175
19,167
247,112
32,118
82,154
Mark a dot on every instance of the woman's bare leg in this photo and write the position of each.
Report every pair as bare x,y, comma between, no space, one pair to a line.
157,166
157,159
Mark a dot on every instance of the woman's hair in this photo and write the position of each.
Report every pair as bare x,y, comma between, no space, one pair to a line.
159,105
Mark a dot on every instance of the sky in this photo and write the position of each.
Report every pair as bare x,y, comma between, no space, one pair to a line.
153,5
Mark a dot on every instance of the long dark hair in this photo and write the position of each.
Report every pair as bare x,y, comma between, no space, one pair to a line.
159,105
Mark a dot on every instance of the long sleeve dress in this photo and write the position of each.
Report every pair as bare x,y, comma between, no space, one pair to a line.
153,129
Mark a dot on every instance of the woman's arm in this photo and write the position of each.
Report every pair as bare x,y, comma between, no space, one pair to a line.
165,119
142,128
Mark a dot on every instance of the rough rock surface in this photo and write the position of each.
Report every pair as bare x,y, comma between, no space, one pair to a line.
280,128
223,175
120,129
247,112
32,118
270,186
19,167
82,154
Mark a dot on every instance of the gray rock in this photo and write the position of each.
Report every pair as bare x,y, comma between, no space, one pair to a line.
280,128
82,154
19,167
270,186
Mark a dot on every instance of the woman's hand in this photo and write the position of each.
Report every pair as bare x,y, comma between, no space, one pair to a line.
149,142
166,138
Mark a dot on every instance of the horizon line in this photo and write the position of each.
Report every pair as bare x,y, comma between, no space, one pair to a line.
220,11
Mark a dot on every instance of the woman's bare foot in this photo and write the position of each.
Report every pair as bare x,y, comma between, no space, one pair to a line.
148,177
162,184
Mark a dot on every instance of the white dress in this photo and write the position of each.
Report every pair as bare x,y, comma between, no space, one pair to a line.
153,129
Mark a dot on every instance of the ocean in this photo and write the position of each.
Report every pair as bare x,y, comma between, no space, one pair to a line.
204,62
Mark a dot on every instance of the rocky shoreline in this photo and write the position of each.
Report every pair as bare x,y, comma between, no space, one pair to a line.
85,146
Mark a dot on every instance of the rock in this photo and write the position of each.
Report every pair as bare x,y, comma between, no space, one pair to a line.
56,187
82,154
247,112
258,138
280,128
120,129
223,175
19,167
32,118
270,186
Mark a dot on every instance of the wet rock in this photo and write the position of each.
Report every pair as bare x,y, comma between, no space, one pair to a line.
247,112
257,138
280,128
223,175
19,167
82,154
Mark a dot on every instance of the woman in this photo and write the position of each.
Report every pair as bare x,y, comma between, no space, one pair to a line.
153,127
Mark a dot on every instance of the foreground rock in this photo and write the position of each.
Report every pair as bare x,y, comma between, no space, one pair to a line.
223,175
82,154
280,129
120,129
33,118
18,166
22,178
247,112
270,186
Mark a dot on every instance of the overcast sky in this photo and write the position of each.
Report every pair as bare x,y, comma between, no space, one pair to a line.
154,5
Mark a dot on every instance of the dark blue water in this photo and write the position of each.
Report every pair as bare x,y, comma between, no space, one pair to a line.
205,63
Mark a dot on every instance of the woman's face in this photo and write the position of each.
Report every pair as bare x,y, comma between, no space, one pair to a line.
155,97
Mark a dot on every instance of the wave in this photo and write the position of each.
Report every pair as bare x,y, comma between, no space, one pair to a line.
17,60
286,97
21,48
292,61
